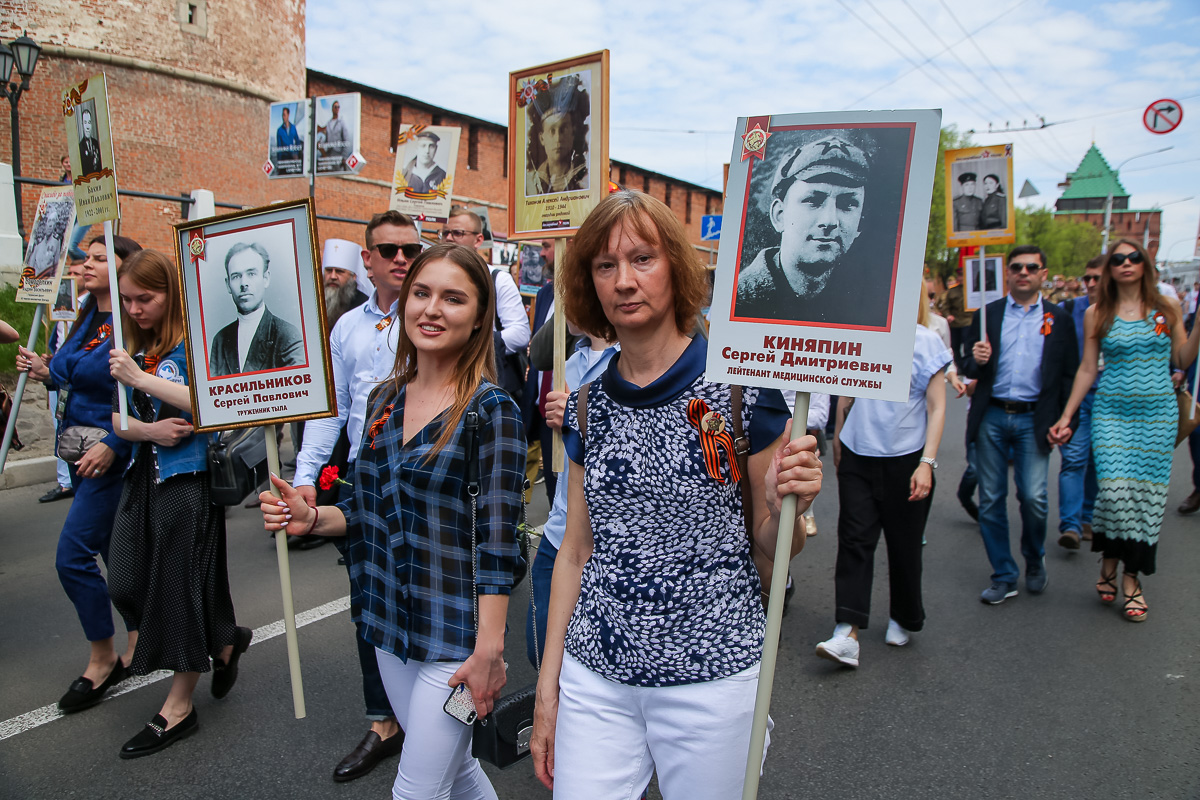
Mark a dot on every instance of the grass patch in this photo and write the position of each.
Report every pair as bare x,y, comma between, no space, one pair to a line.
20,316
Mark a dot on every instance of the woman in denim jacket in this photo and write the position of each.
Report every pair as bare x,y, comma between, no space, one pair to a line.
167,569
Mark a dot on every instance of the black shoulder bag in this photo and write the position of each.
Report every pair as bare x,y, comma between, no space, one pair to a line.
502,737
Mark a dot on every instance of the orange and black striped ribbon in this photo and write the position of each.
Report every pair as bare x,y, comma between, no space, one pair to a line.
1047,324
711,443
378,424
102,334
151,362
1160,325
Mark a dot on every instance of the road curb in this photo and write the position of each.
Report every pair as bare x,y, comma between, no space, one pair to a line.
28,472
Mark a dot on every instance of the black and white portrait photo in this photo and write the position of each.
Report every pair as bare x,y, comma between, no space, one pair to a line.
66,304
559,138
979,198
423,173
49,238
821,232
90,160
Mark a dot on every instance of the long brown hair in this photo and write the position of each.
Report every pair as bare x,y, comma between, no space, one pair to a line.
478,358
1106,303
154,272
124,247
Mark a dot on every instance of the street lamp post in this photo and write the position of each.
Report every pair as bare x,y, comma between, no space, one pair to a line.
23,54
1109,201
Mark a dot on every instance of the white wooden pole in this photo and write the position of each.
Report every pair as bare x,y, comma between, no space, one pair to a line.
983,298
285,584
114,296
11,427
558,455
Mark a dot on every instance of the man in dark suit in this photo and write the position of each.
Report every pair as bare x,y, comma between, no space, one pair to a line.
257,340
1025,367
89,146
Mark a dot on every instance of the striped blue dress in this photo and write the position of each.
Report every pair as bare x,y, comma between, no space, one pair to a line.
1133,436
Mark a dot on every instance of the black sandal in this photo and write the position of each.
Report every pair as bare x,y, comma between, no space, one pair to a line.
1130,612
1107,596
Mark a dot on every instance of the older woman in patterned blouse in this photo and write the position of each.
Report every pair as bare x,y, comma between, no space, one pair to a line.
656,626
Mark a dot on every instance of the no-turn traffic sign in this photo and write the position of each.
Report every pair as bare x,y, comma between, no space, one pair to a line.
1162,116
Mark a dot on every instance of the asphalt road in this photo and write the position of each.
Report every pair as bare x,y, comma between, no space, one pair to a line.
1043,697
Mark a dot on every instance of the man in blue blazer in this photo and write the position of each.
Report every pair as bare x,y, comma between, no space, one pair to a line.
1025,367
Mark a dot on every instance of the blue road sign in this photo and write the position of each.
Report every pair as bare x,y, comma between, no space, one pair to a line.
710,227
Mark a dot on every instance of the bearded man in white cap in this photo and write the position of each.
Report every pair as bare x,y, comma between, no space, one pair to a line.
346,283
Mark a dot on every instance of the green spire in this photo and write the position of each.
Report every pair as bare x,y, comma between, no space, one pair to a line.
1094,178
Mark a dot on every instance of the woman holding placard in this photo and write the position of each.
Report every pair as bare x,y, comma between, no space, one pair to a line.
886,454
96,455
1134,418
656,623
434,565
167,574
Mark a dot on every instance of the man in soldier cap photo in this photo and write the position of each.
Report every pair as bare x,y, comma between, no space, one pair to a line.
968,207
422,173
818,197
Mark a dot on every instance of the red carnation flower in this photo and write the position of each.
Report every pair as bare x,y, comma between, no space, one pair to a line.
329,477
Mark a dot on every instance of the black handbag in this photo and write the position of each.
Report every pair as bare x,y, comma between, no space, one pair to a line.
502,737
237,464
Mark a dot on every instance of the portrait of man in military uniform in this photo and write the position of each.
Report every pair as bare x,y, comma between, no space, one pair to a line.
422,173
968,206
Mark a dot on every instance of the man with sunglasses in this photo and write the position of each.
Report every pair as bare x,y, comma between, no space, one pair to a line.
1077,485
1025,365
363,353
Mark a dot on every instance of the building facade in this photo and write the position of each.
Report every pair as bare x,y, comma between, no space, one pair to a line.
1087,193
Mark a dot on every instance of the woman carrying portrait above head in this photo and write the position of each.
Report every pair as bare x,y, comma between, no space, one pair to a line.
1134,417
413,562
167,572
79,373
656,624
556,158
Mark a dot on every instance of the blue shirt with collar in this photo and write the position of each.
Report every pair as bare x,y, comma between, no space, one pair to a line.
1019,372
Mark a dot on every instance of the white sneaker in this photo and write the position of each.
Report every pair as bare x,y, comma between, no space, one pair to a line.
896,635
842,649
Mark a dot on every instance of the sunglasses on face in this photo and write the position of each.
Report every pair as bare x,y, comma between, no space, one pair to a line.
1090,278
455,234
1117,259
388,250
1017,267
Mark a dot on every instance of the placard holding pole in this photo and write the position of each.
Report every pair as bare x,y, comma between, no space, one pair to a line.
828,215
22,379
558,454
262,264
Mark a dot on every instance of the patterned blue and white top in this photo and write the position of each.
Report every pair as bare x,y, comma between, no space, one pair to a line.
670,595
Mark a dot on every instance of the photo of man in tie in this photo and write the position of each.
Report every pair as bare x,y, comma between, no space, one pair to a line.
257,340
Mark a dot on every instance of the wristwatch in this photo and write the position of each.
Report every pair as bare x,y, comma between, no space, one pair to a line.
932,462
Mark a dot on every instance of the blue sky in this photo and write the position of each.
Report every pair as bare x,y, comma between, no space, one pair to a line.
683,72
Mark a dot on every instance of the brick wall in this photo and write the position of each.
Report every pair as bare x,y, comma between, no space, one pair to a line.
1125,225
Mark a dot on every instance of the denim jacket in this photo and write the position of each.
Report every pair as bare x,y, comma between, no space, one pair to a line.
191,454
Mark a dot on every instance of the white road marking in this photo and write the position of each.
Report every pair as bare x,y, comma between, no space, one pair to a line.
40,716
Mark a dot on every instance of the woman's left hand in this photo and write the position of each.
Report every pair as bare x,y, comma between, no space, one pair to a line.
95,461
795,469
484,675
921,483
123,368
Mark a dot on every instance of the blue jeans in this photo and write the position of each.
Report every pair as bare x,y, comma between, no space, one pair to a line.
1077,487
1000,434
540,573
84,536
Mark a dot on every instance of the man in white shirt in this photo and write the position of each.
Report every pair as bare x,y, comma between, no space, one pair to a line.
363,353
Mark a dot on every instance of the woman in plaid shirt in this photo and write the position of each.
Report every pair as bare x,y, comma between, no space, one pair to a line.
413,560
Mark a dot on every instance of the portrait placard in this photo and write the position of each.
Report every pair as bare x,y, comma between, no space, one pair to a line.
979,205
287,140
558,145
255,317
89,148
981,289
426,159
817,281
66,302
338,128
49,240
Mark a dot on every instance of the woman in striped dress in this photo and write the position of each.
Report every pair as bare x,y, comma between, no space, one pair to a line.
1135,416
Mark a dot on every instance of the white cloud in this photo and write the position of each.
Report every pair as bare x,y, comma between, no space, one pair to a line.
1137,12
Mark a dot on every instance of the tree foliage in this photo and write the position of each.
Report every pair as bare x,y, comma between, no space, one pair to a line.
939,259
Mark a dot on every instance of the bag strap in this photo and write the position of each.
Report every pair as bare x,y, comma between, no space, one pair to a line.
741,450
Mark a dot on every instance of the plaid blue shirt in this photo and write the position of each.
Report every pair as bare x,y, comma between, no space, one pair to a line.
409,525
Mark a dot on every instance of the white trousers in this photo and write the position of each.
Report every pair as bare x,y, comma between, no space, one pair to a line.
610,737
436,762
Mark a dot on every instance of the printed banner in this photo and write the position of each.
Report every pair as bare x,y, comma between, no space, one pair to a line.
288,153
338,128
979,205
982,285
423,181
49,240
89,148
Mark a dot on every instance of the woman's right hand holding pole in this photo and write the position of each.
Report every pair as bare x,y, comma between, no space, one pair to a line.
288,512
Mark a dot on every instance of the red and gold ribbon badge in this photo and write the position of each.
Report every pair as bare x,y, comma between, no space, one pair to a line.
1047,323
102,334
754,140
378,424
383,323
714,436
196,245
1160,324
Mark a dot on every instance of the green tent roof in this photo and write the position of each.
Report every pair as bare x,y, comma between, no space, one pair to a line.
1093,179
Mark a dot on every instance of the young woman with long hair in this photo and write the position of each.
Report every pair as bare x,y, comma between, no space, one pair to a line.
656,624
413,559
79,373
1139,332
167,570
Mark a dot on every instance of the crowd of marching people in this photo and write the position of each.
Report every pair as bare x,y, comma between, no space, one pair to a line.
646,621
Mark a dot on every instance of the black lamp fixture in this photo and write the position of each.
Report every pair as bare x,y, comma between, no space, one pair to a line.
23,54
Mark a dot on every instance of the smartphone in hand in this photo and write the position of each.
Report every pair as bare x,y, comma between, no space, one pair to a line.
461,705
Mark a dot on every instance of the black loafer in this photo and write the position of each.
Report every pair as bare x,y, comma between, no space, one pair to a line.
306,541
225,675
83,694
156,736
57,493
370,751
